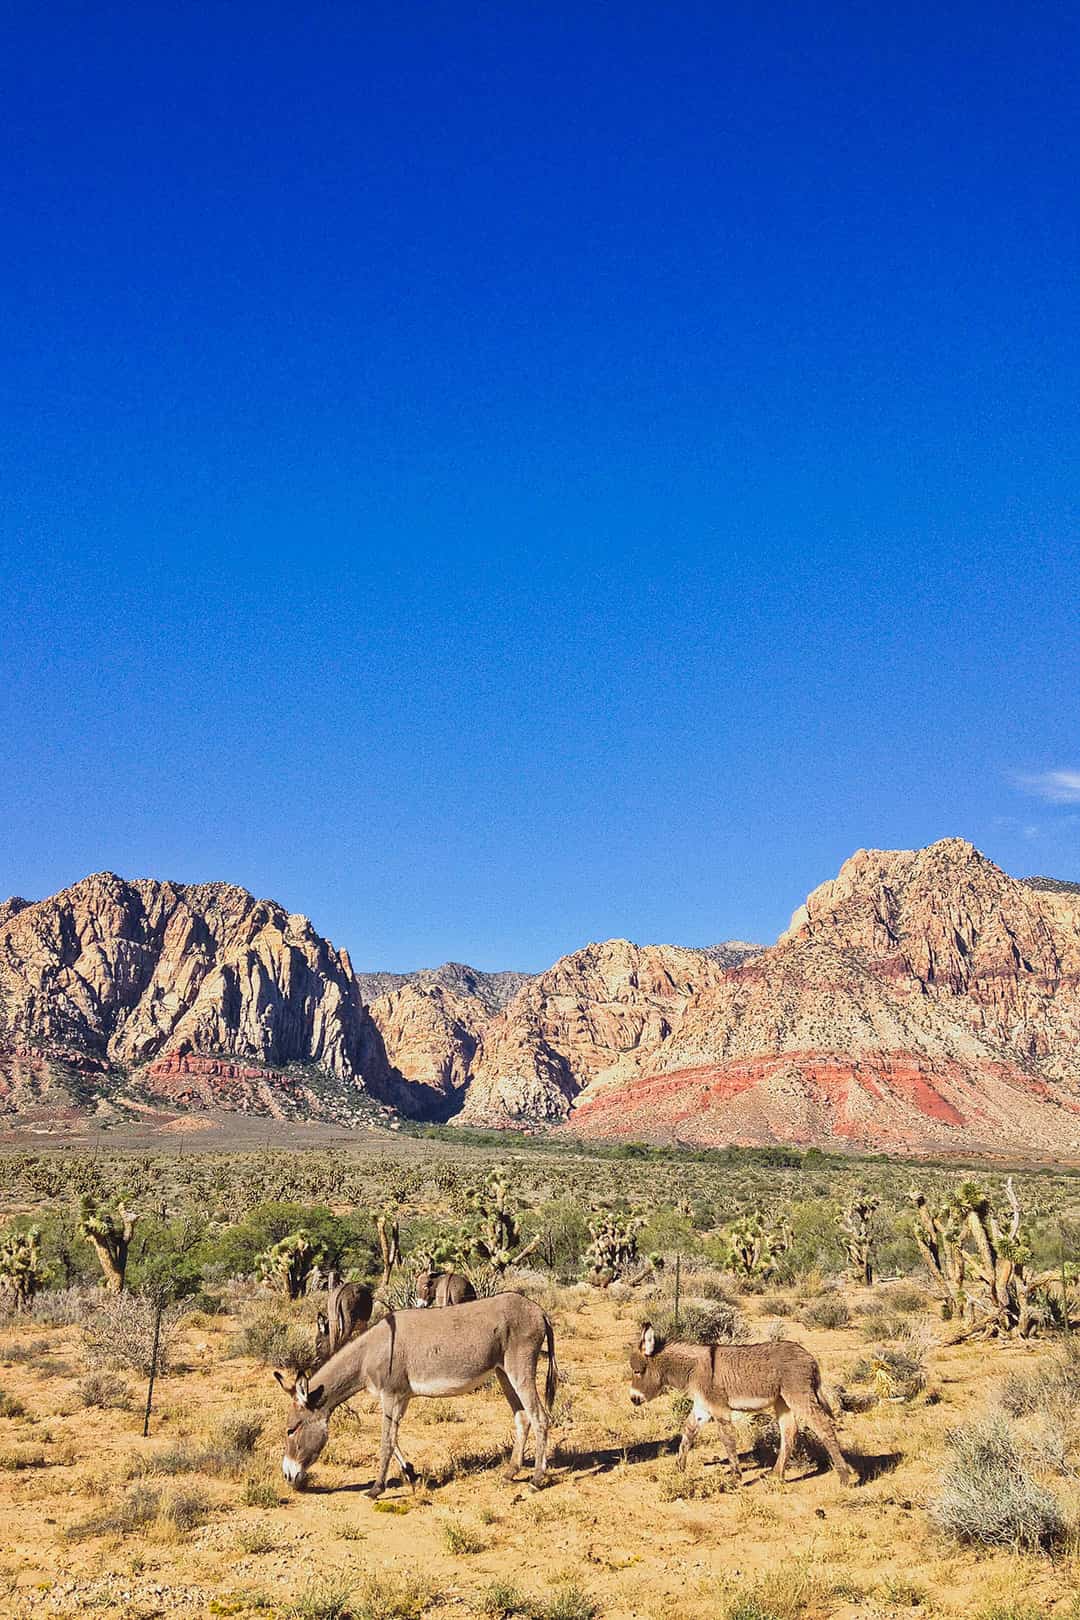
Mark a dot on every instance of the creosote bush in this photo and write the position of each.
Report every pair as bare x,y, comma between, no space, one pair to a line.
264,1335
121,1334
104,1391
713,1321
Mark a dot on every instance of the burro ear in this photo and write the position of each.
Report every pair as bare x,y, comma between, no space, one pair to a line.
648,1339
321,1323
290,1389
307,1397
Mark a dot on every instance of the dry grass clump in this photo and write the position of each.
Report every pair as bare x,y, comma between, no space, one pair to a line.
379,1597
692,1484
260,1493
989,1495
830,1310
904,1297
567,1601
34,1353
186,1510
183,1511
13,1462
460,1539
120,1333
10,1406
103,1391
138,1509
1055,1386
225,1453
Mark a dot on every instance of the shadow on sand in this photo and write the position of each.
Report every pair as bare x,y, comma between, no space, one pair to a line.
567,1462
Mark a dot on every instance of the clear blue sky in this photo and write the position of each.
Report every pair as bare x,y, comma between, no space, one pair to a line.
498,476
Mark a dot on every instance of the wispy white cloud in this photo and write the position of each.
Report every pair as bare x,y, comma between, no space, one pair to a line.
1058,787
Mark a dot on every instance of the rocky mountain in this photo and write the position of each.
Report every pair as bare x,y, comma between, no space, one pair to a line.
589,1019
921,1000
1051,885
137,993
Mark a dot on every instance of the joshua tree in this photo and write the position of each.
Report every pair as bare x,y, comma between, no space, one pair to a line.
387,1226
290,1262
109,1232
977,1264
613,1249
21,1271
857,1227
754,1249
496,1232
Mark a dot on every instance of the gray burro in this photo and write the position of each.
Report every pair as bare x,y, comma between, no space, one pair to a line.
778,1377
432,1354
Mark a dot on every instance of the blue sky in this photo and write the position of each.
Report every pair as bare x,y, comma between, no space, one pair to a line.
495,477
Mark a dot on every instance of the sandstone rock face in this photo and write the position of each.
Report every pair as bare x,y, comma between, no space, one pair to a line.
125,974
430,1024
590,1018
921,999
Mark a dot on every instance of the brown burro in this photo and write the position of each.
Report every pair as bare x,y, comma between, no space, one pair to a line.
435,1354
349,1308
442,1288
779,1377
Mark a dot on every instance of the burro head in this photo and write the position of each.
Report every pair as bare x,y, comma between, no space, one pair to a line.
646,1381
308,1428
424,1287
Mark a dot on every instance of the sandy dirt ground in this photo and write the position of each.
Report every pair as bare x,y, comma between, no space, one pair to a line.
616,1522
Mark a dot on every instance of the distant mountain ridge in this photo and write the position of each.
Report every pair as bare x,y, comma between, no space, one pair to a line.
921,1000
1050,885
492,990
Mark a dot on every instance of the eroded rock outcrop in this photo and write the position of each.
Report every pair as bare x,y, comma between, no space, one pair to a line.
591,1018
127,974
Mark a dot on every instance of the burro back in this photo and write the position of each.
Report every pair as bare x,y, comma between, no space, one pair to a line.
441,1288
348,1309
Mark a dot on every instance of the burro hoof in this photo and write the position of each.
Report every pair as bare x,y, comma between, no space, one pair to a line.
374,1492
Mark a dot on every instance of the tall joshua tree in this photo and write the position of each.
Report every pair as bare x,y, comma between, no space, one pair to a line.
109,1233
857,1226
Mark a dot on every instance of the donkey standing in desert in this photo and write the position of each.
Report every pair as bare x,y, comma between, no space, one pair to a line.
778,1377
439,1288
349,1308
411,1353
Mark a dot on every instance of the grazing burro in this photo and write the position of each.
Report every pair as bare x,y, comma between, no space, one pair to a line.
439,1288
406,1354
778,1377
348,1309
